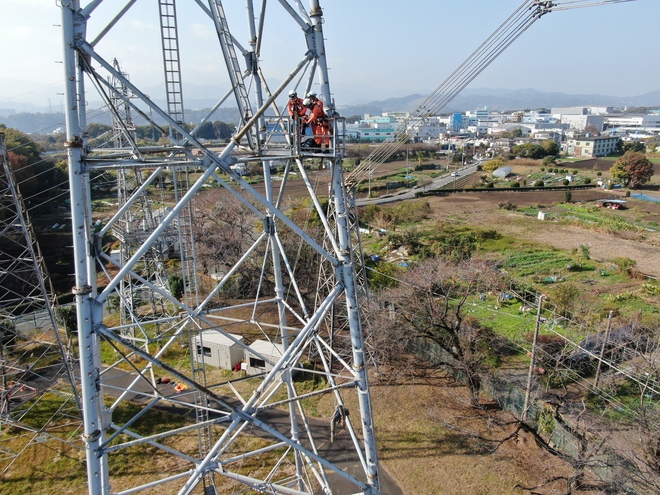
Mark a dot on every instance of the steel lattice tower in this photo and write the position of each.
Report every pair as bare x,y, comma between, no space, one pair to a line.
252,433
36,366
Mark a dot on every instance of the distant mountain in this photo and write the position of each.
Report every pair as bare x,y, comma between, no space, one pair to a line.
46,123
504,99
470,99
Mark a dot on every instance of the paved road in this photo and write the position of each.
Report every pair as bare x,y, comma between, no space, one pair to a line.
437,183
340,452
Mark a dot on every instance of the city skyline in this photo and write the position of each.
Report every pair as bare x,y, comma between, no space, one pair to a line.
376,49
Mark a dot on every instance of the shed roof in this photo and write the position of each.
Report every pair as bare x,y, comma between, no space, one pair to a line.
502,171
266,348
215,337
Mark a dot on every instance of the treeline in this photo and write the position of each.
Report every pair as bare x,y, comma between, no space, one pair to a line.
45,123
37,178
210,131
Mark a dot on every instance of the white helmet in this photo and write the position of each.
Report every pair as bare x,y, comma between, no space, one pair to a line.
311,94
292,93
307,102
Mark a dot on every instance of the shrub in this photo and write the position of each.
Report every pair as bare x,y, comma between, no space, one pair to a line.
395,240
507,205
457,245
67,317
176,286
587,180
384,276
623,263
564,297
539,183
566,182
586,252
548,160
490,233
546,421
515,184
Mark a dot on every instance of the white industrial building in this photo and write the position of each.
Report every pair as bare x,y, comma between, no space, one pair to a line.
263,351
632,123
594,110
217,349
581,122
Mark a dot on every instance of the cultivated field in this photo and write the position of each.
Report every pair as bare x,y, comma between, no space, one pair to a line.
481,210
430,440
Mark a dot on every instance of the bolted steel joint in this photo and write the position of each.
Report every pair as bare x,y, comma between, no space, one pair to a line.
82,290
76,142
92,437
269,225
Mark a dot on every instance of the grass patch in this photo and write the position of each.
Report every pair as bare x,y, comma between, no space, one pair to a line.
627,406
538,262
505,319
590,217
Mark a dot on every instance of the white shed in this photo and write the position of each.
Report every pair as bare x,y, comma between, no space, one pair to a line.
502,172
217,349
268,350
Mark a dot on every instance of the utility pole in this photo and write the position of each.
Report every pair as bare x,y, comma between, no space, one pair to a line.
407,168
532,362
602,348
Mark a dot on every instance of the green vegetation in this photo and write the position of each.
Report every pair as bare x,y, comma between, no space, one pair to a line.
590,217
538,262
632,169
561,275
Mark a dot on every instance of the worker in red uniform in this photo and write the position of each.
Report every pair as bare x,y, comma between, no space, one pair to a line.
295,106
297,112
318,120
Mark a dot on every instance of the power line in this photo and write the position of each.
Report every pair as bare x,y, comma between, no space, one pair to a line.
509,31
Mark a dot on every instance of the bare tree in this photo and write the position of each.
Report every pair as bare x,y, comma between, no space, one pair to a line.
226,228
431,307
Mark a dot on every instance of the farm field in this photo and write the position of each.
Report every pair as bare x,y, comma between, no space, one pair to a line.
569,228
430,440
481,210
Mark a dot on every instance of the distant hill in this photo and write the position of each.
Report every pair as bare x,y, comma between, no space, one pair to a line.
505,99
469,99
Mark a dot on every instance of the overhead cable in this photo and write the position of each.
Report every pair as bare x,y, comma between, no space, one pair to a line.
522,18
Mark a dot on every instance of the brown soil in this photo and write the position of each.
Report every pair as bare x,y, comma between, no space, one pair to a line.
481,209
432,442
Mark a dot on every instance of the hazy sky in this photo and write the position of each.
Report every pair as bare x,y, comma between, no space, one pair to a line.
376,48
